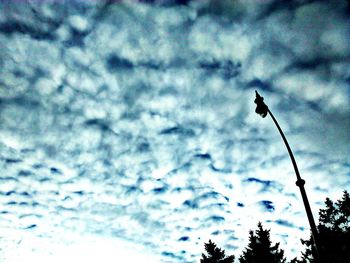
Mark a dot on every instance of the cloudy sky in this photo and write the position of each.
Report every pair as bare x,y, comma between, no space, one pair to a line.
128,131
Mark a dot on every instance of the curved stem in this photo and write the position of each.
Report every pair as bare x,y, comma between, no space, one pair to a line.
300,183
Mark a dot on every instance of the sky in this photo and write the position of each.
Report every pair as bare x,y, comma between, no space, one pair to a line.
128,131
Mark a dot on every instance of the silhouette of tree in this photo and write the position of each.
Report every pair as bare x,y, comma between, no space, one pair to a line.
334,233
260,248
215,254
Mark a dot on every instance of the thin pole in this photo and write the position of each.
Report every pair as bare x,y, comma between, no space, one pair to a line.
300,183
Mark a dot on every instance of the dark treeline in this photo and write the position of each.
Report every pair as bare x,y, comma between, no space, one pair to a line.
334,235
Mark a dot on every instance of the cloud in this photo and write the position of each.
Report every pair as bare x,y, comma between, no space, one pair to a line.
135,121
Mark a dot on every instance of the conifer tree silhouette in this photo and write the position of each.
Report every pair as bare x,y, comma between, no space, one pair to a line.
215,254
260,248
334,232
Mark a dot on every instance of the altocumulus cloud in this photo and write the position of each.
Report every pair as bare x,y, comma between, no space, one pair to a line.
131,123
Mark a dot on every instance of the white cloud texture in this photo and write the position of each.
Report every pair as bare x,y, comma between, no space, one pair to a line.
132,123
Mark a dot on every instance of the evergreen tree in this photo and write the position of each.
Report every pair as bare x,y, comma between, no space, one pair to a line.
215,254
260,248
334,233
